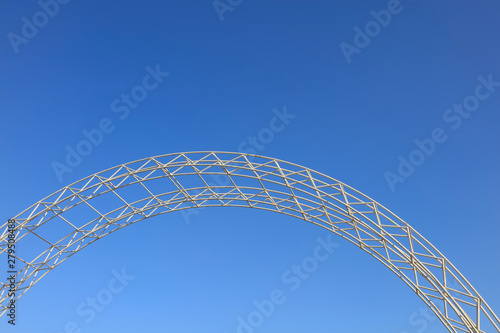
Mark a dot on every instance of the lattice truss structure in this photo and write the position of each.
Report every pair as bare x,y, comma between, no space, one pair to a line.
72,218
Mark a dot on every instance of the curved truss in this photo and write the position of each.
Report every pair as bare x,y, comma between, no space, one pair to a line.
65,222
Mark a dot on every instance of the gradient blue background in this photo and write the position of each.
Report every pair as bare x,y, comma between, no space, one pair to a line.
353,121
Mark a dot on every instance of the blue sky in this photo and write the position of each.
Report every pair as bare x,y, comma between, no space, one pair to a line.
352,117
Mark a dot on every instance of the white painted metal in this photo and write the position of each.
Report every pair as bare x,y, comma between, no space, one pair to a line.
77,215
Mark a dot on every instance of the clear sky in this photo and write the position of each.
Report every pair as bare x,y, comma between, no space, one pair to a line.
364,92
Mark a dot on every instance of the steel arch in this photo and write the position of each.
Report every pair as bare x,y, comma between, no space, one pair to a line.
152,186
